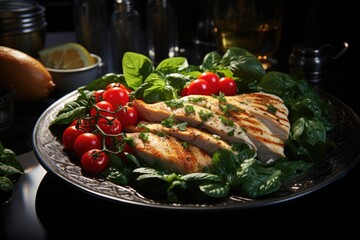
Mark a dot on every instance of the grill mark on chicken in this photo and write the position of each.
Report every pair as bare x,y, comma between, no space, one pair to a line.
259,119
157,112
206,141
258,104
168,153
268,145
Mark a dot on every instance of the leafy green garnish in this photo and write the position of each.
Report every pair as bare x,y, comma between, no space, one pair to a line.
10,172
237,171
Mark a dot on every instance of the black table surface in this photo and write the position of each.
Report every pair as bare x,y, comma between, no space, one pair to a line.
45,207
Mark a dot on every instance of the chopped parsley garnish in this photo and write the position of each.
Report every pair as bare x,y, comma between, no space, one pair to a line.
205,115
189,109
271,109
161,134
182,126
226,121
231,133
173,103
185,144
227,108
168,122
144,136
196,99
143,126
221,97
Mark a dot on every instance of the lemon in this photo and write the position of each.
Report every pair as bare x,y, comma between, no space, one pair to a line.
31,80
66,56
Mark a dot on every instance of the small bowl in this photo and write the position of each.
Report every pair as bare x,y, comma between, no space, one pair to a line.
68,80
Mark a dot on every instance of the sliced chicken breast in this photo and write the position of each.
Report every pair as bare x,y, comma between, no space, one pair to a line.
204,140
168,153
268,108
196,116
268,146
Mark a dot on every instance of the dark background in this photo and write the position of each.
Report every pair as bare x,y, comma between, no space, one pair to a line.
322,21
326,212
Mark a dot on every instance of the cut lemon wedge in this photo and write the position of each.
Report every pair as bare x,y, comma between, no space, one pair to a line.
66,56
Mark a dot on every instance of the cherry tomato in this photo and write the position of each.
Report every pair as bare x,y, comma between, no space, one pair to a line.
105,109
69,136
185,91
109,125
128,116
199,86
94,160
117,96
111,85
98,95
212,79
227,86
85,142
87,125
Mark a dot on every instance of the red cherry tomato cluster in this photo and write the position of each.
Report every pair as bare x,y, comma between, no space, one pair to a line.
90,136
209,83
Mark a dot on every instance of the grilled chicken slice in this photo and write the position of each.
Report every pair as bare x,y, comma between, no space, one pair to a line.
207,142
168,153
196,116
268,108
268,146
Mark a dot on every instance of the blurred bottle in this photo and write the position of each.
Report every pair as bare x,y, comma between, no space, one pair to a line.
126,33
162,30
91,27
204,38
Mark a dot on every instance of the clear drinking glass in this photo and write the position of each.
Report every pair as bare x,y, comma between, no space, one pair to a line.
254,25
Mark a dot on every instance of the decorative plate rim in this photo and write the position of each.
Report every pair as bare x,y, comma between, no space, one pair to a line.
49,152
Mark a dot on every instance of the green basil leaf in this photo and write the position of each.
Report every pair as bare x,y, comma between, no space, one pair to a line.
172,65
137,68
211,61
105,80
215,190
69,116
5,184
243,64
158,89
314,132
177,80
6,170
8,163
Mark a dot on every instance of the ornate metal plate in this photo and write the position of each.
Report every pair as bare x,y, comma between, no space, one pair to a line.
49,151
